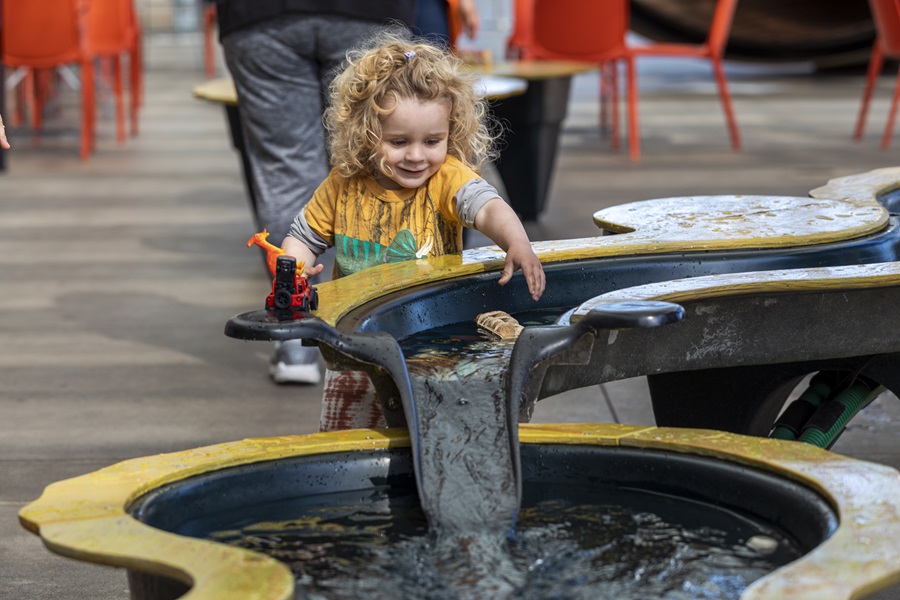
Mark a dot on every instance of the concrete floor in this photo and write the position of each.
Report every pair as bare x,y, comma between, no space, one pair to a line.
118,274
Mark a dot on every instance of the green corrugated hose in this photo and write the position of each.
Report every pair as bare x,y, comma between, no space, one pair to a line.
854,399
819,388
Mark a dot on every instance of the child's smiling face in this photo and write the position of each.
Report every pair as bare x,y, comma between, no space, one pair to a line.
413,143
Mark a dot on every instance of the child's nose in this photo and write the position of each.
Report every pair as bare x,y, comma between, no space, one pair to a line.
414,152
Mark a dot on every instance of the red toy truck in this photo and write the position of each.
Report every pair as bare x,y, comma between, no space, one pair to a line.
290,290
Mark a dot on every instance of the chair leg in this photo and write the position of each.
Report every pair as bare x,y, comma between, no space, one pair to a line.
610,101
614,109
135,73
87,109
20,93
134,97
892,115
876,61
725,96
119,98
209,48
138,54
24,97
36,98
634,139
604,96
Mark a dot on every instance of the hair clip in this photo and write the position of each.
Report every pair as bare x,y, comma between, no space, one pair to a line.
409,55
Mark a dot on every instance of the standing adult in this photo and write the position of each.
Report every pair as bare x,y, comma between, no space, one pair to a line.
282,55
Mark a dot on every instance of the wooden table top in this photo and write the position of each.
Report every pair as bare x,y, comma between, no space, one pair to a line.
220,91
535,70
494,86
498,78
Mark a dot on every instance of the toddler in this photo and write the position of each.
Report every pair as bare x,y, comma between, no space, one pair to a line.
407,137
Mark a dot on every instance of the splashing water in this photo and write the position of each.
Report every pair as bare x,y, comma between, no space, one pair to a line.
562,549
469,538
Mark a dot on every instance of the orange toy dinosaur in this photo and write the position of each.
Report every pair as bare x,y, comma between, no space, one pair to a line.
272,251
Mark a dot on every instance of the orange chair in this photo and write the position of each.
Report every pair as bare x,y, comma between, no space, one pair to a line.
712,49
886,14
584,30
45,34
595,31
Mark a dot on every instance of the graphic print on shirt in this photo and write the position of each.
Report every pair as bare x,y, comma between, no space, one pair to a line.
364,222
354,255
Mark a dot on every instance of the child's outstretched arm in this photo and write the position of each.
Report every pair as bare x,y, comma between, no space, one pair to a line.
294,247
499,222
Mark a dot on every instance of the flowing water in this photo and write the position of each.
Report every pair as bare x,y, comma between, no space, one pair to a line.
634,545
468,537
467,467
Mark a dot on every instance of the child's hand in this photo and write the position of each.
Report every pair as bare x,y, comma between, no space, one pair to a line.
294,247
521,256
313,270
498,221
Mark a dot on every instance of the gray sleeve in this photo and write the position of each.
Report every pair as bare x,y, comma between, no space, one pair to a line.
471,198
301,230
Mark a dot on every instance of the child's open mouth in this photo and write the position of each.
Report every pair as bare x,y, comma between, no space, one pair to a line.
411,172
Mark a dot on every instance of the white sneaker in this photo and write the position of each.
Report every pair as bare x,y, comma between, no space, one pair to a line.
292,362
285,373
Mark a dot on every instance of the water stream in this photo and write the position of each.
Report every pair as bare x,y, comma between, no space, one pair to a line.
567,549
468,536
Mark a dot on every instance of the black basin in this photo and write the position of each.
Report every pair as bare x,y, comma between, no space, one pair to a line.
727,493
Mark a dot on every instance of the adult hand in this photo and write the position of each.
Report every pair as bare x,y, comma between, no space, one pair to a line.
471,21
4,143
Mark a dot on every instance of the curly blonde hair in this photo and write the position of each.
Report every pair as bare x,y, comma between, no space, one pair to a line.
377,76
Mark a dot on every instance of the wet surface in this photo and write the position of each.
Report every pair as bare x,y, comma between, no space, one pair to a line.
468,477
633,545
463,534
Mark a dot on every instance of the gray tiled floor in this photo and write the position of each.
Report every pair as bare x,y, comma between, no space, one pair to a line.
118,274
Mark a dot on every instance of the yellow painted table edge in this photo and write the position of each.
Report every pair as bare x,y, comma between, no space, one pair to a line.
792,281
647,229
85,517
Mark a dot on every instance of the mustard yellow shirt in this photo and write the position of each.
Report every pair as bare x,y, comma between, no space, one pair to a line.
369,225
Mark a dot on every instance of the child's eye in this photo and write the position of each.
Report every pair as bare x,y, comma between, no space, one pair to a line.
397,143
432,142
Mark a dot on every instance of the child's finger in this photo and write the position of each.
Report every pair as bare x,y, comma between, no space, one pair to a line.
536,281
536,287
314,270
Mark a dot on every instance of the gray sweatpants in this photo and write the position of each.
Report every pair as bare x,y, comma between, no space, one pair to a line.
281,69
